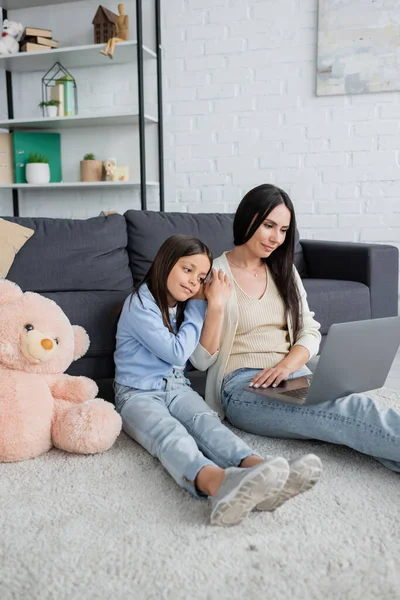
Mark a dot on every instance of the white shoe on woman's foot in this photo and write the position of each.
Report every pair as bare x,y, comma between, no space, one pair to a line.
304,474
243,489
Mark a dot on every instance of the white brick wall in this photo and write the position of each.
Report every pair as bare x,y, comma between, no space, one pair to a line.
240,109
247,69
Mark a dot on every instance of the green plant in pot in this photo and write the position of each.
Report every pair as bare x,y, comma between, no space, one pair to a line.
50,107
91,168
37,169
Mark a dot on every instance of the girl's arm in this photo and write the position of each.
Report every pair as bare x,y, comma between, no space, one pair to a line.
144,323
217,291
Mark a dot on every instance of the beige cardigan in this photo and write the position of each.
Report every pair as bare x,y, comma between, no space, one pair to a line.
308,336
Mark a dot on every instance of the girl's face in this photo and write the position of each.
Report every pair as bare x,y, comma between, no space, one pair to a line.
186,277
271,233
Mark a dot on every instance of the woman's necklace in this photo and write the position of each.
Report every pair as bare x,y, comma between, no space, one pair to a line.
254,273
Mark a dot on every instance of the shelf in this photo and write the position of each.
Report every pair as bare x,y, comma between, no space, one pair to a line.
72,57
73,184
14,4
75,121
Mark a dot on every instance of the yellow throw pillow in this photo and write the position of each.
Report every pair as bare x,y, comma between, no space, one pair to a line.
12,238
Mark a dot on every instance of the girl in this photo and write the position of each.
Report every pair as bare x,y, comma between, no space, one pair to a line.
274,336
159,328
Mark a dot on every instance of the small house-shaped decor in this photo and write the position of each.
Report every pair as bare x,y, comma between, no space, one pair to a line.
104,25
59,83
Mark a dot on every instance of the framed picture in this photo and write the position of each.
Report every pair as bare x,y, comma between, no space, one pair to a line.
358,47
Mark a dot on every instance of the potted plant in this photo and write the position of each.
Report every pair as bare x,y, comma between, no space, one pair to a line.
91,169
37,169
51,107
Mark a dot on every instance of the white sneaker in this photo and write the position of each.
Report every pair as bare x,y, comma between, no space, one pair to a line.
304,474
243,489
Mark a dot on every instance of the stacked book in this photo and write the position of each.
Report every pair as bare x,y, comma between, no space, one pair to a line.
35,39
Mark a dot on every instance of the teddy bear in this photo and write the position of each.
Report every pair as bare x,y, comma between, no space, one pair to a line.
40,406
11,34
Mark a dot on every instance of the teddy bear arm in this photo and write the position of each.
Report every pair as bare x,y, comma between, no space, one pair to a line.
74,389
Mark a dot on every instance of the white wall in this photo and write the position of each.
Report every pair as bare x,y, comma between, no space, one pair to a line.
240,109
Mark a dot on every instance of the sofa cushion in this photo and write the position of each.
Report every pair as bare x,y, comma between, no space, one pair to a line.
97,312
147,230
73,255
336,301
12,238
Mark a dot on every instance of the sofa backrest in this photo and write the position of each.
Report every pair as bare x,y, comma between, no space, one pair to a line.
82,265
147,230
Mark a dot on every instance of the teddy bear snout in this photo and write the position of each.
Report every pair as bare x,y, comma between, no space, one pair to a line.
47,344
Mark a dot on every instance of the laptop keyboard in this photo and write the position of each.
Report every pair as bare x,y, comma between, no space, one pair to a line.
299,393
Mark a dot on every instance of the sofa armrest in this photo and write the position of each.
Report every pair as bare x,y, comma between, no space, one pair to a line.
375,265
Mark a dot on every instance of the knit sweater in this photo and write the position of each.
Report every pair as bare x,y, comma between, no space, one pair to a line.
262,338
308,336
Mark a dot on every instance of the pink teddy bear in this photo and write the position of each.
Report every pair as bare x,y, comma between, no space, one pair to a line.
40,406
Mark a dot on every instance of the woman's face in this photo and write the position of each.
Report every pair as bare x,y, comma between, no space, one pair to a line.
271,233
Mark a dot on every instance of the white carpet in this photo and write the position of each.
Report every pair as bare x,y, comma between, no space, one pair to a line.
116,527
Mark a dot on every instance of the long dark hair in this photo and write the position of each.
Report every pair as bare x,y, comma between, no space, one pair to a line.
251,213
174,248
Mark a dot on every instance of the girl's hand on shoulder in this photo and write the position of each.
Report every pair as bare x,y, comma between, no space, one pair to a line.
268,377
218,289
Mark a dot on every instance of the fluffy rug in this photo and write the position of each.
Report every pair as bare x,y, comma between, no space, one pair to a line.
116,527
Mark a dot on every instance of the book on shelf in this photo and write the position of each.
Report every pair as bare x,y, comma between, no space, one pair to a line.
57,93
35,39
30,47
47,144
6,158
47,33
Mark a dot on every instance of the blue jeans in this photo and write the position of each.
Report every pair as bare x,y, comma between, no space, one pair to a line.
177,426
354,421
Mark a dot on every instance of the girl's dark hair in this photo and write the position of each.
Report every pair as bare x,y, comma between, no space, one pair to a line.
251,213
174,248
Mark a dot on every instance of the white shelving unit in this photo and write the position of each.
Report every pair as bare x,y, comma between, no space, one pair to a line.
74,185
83,56
14,4
72,57
100,120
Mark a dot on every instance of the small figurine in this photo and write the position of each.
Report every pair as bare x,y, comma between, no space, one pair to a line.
121,32
113,172
10,37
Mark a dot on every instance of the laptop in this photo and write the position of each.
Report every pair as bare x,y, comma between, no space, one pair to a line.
356,357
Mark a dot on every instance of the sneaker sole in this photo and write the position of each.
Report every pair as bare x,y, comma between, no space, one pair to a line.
304,474
265,480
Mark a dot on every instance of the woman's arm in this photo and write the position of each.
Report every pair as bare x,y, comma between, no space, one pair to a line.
294,360
305,345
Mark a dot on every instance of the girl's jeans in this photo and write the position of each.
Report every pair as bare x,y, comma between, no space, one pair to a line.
353,421
177,426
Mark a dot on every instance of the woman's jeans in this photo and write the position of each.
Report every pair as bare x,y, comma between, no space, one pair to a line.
177,426
354,421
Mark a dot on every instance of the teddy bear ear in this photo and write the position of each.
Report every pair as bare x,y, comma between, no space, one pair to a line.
9,292
5,23
81,341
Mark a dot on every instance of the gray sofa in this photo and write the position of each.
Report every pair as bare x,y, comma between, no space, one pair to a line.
89,266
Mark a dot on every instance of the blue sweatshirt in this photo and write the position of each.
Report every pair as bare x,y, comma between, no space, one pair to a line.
146,351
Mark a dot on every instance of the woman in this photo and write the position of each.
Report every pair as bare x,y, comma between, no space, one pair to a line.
268,334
